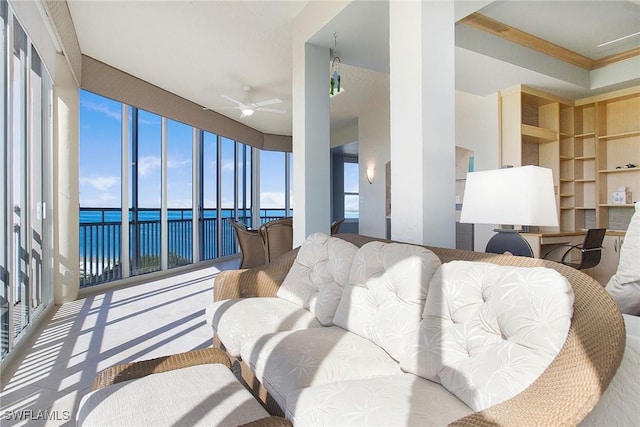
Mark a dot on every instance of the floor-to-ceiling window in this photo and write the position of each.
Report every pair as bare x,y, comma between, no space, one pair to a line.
4,276
172,176
179,193
209,246
100,189
228,193
146,192
26,100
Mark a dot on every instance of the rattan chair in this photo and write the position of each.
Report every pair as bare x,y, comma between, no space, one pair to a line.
278,237
590,250
251,245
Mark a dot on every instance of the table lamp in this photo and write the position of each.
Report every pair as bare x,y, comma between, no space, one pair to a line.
510,196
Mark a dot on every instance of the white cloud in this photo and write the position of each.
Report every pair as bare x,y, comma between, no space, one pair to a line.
99,200
101,183
147,164
101,108
272,200
179,203
178,163
228,165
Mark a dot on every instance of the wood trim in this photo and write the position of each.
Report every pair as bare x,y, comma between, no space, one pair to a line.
514,35
506,32
630,91
617,57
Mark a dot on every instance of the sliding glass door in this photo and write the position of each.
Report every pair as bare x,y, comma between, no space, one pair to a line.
26,102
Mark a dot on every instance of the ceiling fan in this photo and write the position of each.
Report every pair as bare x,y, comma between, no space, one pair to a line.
248,108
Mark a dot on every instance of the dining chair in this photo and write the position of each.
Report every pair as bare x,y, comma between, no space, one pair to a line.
251,244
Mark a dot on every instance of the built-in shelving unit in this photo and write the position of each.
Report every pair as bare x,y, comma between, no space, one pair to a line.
617,144
586,143
537,129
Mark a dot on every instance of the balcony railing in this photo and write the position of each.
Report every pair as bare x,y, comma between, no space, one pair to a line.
100,240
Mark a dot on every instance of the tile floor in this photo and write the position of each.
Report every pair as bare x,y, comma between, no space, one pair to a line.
82,337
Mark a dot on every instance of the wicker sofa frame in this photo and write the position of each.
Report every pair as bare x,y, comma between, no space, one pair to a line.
562,396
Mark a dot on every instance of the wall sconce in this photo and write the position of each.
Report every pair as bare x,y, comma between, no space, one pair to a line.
370,174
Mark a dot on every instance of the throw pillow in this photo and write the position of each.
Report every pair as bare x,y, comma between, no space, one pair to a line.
318,275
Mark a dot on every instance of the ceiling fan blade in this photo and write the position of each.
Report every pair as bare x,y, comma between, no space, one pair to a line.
221,108
240,104
271,110
268,102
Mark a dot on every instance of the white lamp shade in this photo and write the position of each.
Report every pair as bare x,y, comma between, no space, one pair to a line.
515,196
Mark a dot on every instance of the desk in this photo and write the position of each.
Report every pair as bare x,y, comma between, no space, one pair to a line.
541,243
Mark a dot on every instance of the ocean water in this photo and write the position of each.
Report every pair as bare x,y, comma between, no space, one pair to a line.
100,231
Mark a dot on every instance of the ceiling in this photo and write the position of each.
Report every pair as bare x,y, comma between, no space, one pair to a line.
201,50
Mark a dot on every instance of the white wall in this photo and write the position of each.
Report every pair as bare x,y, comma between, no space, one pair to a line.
344,134
373,151
477,130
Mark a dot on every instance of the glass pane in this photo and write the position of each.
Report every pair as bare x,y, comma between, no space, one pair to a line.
272,185
351,186
179,193
228,186
35,171
100,170
209,230
244,173
20,256
351,202
147,189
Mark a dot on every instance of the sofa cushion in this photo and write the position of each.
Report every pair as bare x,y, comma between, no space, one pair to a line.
286,361
617,407
318,275
489,331
624,286
386,293
202,395
394,400
238,321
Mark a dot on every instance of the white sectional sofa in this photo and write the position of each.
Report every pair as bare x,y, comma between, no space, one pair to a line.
350,330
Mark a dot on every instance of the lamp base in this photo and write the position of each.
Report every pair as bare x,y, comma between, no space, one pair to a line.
506,240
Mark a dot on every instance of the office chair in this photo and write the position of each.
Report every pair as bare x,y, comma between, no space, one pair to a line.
590,250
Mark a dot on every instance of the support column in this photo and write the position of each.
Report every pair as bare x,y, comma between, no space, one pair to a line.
422,103
311,142
311,134
66,195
